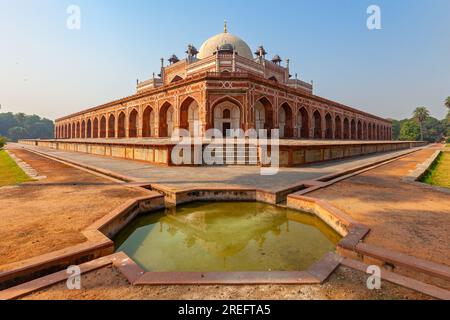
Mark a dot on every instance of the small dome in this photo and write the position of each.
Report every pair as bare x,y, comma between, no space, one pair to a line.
210,46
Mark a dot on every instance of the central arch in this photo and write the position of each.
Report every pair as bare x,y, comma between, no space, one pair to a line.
190,116
227,115
285,121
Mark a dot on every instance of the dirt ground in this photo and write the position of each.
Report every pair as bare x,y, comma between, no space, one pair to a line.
48,215
108,283
404,217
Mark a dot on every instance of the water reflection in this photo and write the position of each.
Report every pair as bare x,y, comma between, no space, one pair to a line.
226,236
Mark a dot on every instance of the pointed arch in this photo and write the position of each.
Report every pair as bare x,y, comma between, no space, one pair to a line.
121,133
353,129
190,116
303,123
78,129
263,110
133,124
328,127
89,128
111,126
317,122
95,133
359,130
347,134
166,120
337,127
285,121
83,129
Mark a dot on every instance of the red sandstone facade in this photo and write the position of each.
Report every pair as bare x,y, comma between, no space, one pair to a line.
226,88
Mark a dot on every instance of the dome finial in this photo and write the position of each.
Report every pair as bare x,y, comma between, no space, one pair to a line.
225,28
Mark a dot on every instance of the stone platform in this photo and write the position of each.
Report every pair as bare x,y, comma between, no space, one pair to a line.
292,152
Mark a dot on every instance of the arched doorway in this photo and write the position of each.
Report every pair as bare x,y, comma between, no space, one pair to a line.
263,115
148,122
78,130
285,121
190,116
133,124
121,126
89,129
346,129
337,128
353,129
166,120
328,127
364,131
95,133
369,130
302,123
227,115
74,130
317,121
83,129
359,130
112,126
103,127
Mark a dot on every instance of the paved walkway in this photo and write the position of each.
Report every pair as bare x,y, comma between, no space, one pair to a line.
219,176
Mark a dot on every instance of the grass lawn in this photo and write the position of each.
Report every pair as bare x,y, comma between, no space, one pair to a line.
439,173
10,172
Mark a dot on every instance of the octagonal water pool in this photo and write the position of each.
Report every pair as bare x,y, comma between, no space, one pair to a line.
226,236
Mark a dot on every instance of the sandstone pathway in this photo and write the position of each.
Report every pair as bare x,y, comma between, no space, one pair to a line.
404,217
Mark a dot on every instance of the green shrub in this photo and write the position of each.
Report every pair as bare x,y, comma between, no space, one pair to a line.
2,142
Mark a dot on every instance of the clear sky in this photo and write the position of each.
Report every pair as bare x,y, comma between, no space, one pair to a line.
47,69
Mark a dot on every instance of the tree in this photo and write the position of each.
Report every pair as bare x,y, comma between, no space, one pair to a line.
421,114
17,133
410,131
35,127
2,142
447,103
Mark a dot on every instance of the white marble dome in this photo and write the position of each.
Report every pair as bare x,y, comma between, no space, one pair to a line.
210,46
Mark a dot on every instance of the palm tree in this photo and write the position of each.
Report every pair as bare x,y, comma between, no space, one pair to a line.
421,114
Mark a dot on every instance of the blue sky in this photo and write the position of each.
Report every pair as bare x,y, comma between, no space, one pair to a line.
52,71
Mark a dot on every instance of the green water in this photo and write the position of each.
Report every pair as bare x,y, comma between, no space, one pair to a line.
226,236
